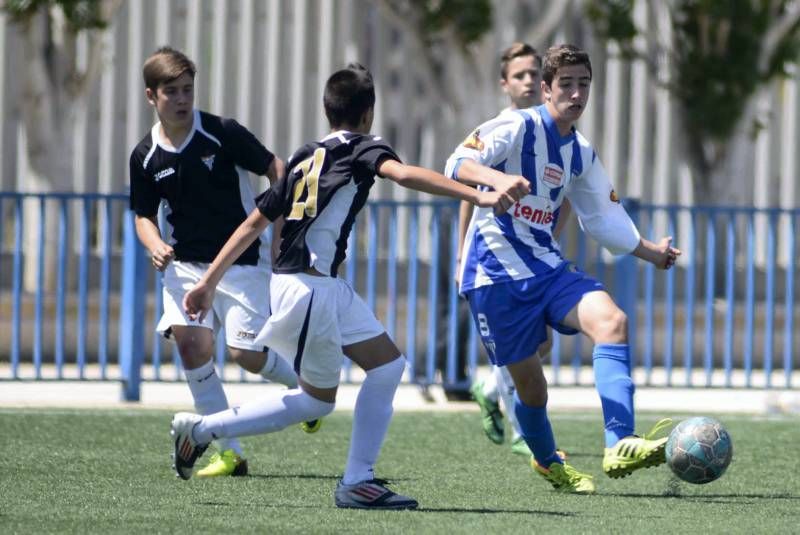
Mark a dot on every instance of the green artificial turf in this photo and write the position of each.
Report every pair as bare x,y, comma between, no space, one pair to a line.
108,471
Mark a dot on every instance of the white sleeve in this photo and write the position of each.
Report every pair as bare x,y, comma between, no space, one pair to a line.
490,143
599,211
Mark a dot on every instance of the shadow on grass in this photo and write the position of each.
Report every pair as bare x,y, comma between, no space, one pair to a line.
296,476
323,477
710,498
483,511
477,510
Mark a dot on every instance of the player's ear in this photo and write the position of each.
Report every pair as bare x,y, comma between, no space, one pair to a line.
545,90
151,95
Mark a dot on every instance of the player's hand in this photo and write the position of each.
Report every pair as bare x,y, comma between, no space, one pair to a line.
457,277
516,186
666,254
197,301
161,256
499,202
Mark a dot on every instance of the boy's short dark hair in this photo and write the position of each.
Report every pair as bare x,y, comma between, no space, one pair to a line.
349,94
563,56
166,64
516,50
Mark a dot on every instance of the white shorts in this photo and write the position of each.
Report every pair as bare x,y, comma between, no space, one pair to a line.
241,302
312,318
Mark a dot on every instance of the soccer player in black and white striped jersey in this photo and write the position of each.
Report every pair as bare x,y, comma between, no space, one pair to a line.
318,319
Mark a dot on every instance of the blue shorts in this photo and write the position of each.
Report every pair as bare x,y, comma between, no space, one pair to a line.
512,317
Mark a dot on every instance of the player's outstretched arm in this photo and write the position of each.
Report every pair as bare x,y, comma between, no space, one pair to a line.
197,301
661,254
421,179
161,253
476,174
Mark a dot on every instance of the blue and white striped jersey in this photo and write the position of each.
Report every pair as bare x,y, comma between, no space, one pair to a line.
519,244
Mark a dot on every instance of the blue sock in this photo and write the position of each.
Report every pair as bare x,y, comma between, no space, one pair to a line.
612,377
536,431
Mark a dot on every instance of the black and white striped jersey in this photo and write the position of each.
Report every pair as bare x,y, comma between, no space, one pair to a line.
204,184
325,187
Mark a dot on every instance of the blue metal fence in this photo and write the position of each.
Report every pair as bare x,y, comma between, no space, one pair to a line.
723,317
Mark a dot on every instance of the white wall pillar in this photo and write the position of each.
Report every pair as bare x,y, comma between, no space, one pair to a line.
164,23
79,140
297,75
271,75
763,169
612,121
639,114
244,53
663,144
219,59
790,115
135,100
326,51
108,99
194,24
347,31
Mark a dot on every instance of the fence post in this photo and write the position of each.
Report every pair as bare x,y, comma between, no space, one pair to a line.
132,312
626,284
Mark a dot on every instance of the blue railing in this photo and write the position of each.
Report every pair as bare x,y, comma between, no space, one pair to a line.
723,317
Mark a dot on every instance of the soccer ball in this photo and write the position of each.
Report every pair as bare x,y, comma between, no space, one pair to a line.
699,450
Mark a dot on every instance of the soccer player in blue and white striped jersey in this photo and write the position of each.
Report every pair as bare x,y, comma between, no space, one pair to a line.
520,79
517,281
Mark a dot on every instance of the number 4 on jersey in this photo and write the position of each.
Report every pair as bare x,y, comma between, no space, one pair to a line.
310,169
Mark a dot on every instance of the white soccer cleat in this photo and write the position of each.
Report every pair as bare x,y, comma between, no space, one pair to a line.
187,450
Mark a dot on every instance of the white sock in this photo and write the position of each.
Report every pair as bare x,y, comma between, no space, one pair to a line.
505,387
490,386
278,370
282,409
373,412
209,397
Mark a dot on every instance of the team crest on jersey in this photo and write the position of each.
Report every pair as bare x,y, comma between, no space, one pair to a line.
613,196
553,174
209,161
473,141
164,173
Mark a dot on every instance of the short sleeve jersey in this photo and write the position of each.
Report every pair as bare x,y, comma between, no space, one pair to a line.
204,186
519,244
326,185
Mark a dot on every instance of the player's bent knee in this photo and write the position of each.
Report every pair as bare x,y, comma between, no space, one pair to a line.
307,407
252,361
389,374
533,397
194,355
328,395
612,329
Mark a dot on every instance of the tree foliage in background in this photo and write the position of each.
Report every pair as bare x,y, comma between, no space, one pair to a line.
80,14
53,88
442,27
468,20
55,80
721,54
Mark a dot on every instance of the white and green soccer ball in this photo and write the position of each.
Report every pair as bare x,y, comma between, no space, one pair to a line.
699,450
